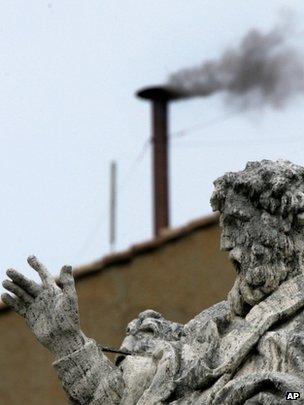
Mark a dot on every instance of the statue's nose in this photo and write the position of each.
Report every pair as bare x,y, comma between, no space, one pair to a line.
128,344
236,254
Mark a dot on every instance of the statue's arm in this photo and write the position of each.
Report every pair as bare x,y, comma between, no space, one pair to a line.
88,376
51,312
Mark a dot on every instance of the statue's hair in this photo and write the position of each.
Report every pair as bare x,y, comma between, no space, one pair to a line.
276,187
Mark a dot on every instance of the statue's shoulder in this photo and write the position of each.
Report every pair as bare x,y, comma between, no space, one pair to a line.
219,313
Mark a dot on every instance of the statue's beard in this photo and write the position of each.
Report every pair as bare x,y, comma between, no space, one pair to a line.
254,284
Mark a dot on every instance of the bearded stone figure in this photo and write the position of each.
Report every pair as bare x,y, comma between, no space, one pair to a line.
248,349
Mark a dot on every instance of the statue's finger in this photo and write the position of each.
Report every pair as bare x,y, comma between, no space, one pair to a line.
18,291
46,277
14,303
67,283
27,285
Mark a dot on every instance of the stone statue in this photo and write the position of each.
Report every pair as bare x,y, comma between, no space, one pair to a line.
246,350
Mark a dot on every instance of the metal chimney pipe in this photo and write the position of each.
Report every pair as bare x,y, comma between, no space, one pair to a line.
160,164
160,97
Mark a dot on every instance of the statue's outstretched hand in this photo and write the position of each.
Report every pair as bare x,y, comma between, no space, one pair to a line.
50,309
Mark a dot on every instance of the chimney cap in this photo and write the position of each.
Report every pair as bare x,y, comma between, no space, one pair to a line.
160,93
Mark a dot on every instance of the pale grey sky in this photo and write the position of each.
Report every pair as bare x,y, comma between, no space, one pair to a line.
68,73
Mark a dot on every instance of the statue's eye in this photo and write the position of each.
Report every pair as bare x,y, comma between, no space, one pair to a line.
149,329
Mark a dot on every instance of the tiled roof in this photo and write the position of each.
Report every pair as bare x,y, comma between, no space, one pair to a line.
167,236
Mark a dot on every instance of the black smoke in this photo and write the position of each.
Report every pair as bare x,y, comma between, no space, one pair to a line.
262,70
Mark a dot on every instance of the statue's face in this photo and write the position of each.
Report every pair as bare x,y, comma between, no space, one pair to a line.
255,241
240,221
147,332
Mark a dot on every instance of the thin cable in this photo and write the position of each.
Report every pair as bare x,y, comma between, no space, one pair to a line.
136,161
101,218
203,125
239,142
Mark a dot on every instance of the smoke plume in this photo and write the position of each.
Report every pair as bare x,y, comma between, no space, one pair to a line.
262,70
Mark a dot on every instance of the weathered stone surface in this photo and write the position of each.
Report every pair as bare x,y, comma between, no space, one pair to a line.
246,350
